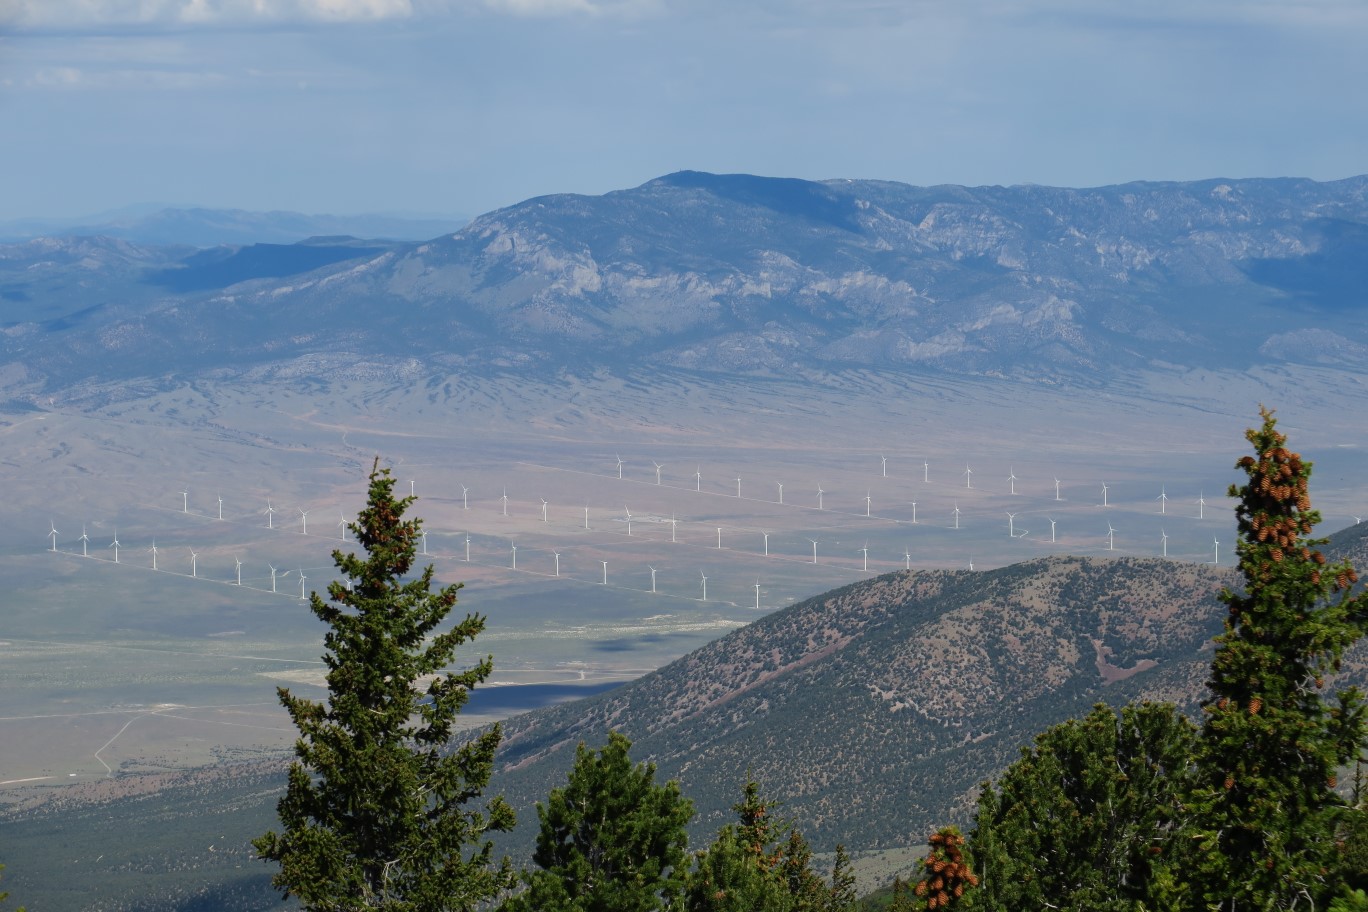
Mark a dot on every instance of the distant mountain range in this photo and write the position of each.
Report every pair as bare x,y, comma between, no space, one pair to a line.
734,273
872,711
202,227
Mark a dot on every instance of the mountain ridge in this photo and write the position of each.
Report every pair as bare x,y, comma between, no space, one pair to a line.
745,274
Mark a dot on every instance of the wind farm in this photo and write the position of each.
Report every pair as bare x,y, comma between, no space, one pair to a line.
592,560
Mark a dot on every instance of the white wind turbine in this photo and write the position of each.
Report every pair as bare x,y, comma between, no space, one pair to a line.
1012,479
411,494
505,501
926,473
766,534
515,556
342,522
914,512
757,595
867,503
705,585
304,520
1052,531
85,539
194,564
543,500
1104,494
185,501
907,555
957,514
1163,501
738,487
273,577
1111,537
968,477
719,538
586,515
425,542
781,491
467,547
465,498
1057,497
619,463
557,555
653,573
658,467
1201,505
302,579
220,500
814,549
153,549
270,514
1011,525
605,572
53,536
820,492
115,545
1163,536
673,524
238,561
629,519
698,478
865,552
1217,545
883,463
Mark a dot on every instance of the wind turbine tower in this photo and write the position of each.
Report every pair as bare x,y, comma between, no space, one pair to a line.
270,514
543,500
84,540
515,557
1104,494
705,585
220,500
304,520
53,536
1057,497
757,596
619,463
698,478
1163,501
865,552
867,503
273,577
557,554
1163,536
968,477
1052,531
194,564
781,491
185,501
658,468
814,549
653,573
957,514
115,545
1012,480
883,462
153,549
238,561
1111,537
465,498
820,492
303,578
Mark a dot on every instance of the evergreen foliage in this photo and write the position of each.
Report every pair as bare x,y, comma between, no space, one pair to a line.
1078,821
748,867
842,895
377,811
949,874
611,840
1271,745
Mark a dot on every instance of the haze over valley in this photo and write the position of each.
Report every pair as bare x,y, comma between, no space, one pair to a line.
1032,381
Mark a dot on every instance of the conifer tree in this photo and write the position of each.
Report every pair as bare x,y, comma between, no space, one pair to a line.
1271,744
611,840
377,812
1078,822
842,896
948,873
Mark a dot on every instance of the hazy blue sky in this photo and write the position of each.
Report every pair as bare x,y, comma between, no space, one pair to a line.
460,106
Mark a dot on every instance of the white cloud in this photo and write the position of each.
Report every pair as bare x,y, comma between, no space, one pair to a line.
84,14
81,15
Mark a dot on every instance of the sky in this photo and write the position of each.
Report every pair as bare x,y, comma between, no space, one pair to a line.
458,107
